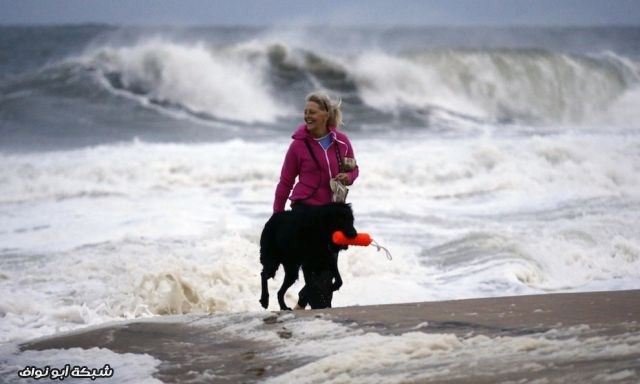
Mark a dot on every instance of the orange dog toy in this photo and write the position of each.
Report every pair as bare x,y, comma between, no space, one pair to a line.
362,239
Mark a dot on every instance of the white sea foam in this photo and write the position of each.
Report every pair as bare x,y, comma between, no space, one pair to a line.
326,351
116,232
126,367
416,357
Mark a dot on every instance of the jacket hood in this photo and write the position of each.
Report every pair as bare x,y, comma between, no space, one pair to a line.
301,133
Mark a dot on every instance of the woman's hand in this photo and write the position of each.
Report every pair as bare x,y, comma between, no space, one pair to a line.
343,178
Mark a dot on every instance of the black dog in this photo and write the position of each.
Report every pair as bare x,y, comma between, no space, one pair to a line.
302,238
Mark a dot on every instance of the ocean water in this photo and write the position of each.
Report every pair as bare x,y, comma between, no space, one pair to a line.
138,166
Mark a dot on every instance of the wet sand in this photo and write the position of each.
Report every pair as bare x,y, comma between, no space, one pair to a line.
197,348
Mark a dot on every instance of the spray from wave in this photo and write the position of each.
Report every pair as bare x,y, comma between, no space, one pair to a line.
219,83
528,86
262,82
245,82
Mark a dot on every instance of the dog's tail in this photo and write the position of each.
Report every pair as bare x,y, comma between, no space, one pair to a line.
268,257
267,241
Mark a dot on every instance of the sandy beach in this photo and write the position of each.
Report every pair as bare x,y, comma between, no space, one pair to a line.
551,338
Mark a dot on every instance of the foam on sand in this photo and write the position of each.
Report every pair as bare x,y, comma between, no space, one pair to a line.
555,337
127,367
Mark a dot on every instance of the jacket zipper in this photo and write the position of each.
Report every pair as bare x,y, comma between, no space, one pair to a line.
327,158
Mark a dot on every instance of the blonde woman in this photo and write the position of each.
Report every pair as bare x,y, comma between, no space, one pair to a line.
319,155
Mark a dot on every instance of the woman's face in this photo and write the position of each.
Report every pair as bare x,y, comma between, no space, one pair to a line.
315,117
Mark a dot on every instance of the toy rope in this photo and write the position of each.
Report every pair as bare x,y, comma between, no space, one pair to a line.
386,251
361,239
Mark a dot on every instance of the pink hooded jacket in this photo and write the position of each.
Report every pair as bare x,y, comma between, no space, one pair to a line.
312,187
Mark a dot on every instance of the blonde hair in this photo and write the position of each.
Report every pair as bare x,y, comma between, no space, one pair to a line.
332,107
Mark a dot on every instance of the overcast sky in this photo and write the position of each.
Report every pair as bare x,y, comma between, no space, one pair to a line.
318,12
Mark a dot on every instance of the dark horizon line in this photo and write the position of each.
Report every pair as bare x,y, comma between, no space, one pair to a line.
297,25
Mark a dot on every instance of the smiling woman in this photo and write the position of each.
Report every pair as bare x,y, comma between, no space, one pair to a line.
318,154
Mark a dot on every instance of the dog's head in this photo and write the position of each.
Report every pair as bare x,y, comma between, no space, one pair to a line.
341,219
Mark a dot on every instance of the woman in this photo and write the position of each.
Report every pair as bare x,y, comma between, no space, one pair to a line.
318,154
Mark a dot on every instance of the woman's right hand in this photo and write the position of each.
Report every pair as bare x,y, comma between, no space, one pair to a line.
343,178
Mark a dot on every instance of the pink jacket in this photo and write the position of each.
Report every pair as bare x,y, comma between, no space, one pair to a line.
312,187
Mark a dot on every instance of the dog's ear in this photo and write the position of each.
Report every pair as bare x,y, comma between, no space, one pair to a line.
349,207
349,210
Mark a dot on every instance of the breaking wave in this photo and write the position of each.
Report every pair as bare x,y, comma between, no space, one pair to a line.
263,82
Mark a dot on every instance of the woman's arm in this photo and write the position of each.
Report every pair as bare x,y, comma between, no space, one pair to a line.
290,169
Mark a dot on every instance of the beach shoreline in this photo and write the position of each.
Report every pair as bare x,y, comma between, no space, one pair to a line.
194,346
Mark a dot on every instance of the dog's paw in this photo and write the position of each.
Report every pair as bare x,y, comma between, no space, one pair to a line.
285,308
264,301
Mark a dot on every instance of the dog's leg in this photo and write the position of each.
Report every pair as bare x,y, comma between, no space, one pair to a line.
290,277
264,298
337,283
